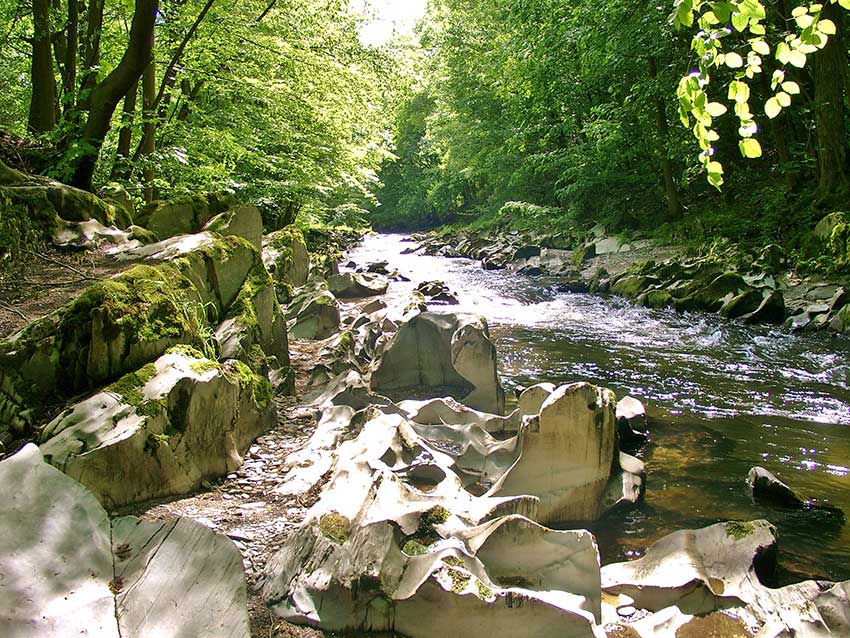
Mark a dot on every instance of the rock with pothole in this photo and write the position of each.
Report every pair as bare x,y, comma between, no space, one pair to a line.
355,285
442,355
67,570
395,543
437,292
163,429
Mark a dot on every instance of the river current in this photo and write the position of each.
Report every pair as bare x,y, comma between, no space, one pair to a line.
721,397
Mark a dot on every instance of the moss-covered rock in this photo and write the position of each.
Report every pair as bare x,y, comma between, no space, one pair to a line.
163,428
120,324
182,215
286,257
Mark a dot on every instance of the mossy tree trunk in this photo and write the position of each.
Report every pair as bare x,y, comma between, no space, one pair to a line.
106,95
42,113
148,145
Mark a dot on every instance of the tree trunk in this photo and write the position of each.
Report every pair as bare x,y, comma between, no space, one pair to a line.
148,145
69,82
106,95
828,76
674,210
42,115
91,51
125,136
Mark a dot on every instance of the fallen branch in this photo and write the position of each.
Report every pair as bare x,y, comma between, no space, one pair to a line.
9,308
59,263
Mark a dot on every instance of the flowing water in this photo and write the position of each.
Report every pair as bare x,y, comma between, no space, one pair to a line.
721,398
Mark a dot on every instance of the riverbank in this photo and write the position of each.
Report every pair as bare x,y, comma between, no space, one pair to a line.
753,287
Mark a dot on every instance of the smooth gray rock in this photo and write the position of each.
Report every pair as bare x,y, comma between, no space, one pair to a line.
442,354
766,488
65,570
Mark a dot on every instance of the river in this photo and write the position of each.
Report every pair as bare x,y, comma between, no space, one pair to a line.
721,398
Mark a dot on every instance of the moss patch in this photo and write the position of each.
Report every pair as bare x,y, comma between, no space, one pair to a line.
249,381
414,548
336,527
484,592
129,388
739,530
714,625
460,580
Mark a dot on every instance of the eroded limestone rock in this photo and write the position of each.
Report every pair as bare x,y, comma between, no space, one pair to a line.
442,354
286,257
567,454
183,215
67,570
162,429
693,573
395,543
356,285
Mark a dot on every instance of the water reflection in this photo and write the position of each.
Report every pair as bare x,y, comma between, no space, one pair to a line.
722,396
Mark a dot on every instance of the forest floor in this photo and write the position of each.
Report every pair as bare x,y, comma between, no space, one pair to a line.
41,281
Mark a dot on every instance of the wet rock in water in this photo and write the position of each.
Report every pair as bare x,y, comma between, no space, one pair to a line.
163,429
631,422
698,572
356,285
841,320
443,354
569,455
314,315
437,292
68,570
771,309
395,542
378,267
766,488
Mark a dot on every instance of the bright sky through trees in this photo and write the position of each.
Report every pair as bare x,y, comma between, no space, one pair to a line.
389,16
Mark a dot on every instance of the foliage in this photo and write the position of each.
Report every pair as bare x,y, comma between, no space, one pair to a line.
284,107
716,22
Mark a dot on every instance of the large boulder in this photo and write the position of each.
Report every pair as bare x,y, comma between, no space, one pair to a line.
67,570
163,429
286,257
183,215
569,455
354,285
442,354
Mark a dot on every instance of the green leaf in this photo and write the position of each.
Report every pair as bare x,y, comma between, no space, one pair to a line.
685,14
757,29
750,148
739,91
740,21
783,52
798,59
734,61
723,10
772,108
784,99
827,27
716,109
805,21
760,46
791,87
845,4
799,11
